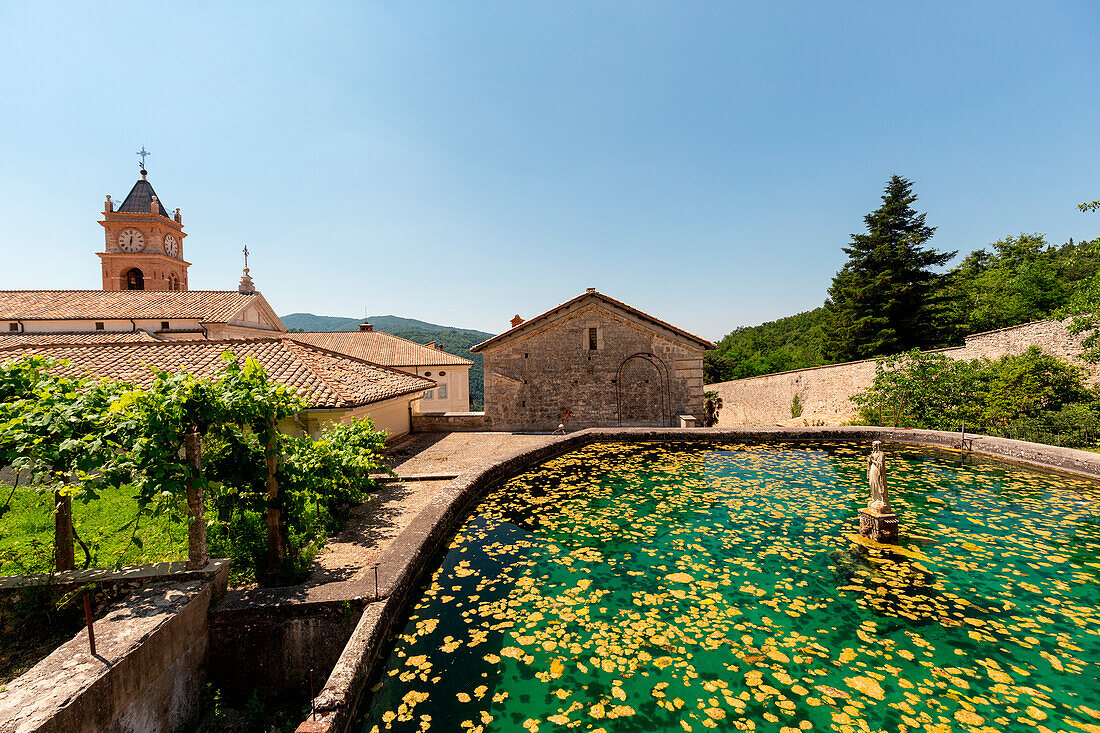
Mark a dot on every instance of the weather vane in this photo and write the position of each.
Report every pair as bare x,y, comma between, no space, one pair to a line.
143,152
246,257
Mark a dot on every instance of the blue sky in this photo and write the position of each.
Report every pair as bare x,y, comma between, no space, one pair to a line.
463,162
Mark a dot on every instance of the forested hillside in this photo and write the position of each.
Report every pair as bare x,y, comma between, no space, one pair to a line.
1015,280
889,298
455,341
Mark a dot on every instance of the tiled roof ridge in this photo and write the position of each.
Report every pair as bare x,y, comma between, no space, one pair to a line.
388,335
335,379
599,296
339,355
154,344
100,290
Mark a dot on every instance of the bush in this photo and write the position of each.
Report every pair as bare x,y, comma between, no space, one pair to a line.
923,390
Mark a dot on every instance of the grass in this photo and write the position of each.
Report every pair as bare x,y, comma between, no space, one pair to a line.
26,532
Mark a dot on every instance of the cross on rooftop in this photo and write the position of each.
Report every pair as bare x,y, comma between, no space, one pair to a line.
143,152
246,257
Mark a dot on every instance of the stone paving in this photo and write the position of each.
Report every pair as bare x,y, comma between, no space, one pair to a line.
430,461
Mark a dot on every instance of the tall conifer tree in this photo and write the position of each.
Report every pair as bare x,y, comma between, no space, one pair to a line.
881,301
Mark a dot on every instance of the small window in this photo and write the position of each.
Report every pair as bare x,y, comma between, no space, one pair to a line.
164,325
13,326
443,374
429,395
99,325
427,374
442,389
593,338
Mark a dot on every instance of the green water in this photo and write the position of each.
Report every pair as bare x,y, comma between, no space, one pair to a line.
652,587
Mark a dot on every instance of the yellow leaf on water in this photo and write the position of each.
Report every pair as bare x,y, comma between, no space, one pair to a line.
867,686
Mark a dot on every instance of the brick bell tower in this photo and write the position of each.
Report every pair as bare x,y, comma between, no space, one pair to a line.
144,248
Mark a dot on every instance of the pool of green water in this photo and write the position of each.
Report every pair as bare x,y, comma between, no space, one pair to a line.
657,587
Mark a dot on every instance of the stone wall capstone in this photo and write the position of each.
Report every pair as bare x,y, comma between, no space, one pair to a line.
824,391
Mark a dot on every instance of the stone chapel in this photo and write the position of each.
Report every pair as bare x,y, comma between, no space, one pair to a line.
592,361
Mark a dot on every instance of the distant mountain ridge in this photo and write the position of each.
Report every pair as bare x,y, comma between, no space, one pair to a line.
453,340
385,324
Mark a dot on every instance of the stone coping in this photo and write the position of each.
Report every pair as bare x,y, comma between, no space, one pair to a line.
175,572
415,551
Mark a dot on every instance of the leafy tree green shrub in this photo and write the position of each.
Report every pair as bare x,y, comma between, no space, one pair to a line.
273,497
320,482
796,406
930,390
55,433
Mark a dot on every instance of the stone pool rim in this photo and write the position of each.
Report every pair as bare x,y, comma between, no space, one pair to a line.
415,551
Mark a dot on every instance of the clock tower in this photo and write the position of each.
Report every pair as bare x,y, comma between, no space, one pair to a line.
144,249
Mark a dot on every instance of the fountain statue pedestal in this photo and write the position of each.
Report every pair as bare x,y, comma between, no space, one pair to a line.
879,527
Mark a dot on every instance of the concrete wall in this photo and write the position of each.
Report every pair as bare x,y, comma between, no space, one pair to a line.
824,392
636,375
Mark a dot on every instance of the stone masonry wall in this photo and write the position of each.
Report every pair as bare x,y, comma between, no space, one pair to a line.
531,378
824,392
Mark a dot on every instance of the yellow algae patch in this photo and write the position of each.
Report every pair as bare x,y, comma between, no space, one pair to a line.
867,686
679,578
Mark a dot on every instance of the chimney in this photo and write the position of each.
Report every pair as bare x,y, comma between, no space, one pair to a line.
179,219
109,206
438,347
364,326
153,207
516,320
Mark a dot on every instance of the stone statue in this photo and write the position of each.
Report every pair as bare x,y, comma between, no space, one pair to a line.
876,476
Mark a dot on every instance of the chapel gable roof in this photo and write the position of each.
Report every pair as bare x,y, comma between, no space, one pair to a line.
208,306
323,378
586,298
140,198
380,348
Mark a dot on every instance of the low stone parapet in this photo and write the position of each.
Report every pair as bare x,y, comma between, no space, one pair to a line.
449,422
147,673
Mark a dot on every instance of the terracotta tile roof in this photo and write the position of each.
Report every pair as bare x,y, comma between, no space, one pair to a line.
39,338
594,295
211,306
379,348
323,378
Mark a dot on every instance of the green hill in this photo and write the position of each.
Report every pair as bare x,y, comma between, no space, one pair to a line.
453,340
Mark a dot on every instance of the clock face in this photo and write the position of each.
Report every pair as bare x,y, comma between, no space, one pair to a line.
131,240
171,246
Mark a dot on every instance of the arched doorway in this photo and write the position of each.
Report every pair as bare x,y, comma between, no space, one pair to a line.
643,392
135,280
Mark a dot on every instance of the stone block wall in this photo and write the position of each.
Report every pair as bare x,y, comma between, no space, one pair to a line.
635,376
824,391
